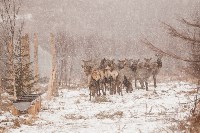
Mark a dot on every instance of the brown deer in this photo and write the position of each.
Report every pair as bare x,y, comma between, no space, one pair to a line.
142,72
125,76
156,67
93,75
111,75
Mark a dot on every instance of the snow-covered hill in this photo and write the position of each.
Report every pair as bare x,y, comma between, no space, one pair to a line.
136,112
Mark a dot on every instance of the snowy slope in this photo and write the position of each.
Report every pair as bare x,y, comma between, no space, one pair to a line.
136,112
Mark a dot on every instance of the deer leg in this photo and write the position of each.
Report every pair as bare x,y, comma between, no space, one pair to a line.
142,84
121,90
104,89
98,88
154,79
90,94
114,87
111,91
146,84
136,84
131,87
104,85
118,88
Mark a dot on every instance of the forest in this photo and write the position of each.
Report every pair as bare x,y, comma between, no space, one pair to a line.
99,66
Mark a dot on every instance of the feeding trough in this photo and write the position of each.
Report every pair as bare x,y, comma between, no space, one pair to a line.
27,104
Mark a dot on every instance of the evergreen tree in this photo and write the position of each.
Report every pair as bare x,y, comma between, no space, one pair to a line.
24,79
10,28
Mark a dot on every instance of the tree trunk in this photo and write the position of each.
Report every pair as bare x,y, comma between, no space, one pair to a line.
53,87
36,68
11,70
26,59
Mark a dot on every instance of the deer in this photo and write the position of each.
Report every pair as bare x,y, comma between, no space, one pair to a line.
94,76
105,78
111,75
125,76
156,67
142,72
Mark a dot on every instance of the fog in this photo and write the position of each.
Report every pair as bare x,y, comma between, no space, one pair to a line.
125,21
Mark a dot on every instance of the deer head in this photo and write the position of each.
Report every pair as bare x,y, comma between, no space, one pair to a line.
147,62
135,64
159,59
121,64
87,67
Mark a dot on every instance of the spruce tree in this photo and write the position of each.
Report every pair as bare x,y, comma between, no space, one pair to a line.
24,79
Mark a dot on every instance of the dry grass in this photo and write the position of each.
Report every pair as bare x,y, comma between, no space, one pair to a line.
5,106
77,101
101,99
108,115
83,95
28,121
192,124
74,117
16,123
194,91
2,130
176,77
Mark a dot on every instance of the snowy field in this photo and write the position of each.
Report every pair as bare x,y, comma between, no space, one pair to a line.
137,112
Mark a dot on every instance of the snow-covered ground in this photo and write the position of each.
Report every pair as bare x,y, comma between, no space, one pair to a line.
137,112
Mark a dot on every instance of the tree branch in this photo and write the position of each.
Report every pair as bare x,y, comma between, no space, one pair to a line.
154,48
175,33
197,25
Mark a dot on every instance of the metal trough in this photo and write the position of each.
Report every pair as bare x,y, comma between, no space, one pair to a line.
27,104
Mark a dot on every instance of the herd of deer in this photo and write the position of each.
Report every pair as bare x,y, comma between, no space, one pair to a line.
112,76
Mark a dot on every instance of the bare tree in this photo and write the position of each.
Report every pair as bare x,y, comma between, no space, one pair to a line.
53,86
65,47
189,34
9,10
